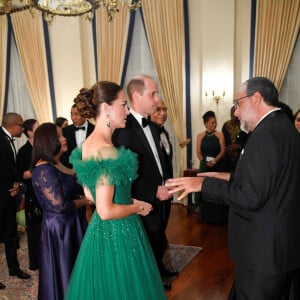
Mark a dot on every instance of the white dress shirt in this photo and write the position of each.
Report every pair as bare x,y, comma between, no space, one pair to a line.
150,139
80,135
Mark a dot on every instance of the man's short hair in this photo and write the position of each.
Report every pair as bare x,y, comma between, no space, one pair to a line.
265,87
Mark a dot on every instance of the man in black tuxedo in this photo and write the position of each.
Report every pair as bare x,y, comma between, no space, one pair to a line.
140,135
159,118
12,126
75,133
263,195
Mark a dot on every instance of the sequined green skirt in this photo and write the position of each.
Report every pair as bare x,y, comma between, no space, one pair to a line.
115,262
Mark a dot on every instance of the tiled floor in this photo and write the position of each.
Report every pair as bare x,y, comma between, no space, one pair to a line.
18,289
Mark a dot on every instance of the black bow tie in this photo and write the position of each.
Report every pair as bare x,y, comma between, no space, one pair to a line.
162,129
79,128
145,122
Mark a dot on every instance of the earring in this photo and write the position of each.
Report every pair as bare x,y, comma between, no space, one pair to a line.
107,121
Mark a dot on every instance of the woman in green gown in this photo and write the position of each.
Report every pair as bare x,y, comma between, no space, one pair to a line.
115,260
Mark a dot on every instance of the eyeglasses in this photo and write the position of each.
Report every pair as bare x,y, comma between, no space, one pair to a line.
154,94
236,101
159,109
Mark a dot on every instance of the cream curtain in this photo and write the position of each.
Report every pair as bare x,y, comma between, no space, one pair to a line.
18,99
31,47
277,27
3,52
111,43
165,30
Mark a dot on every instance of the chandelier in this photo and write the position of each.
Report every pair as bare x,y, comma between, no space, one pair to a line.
5,6
112,6
51,8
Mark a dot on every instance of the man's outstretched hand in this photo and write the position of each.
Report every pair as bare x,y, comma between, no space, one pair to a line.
185,184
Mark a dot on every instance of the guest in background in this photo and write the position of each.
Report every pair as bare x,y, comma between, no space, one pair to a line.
235,140
210,145
58,193
75,133
84,215
140,136
159,118
33,211
297,120
210,151
12,126
61,122
115,259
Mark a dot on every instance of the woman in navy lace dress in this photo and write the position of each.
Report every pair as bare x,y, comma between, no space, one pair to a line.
62,227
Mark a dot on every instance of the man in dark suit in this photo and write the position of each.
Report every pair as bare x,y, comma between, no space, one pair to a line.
75,133
140,135
12,126
159,118
263,195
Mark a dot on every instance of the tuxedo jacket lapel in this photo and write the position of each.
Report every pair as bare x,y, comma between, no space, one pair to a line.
169,141
133,137
134,124
9,154
72,138
89,130
140,132
158,147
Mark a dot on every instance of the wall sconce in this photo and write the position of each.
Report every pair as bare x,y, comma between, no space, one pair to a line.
216,96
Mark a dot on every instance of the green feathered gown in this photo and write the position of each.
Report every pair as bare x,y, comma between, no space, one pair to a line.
115,261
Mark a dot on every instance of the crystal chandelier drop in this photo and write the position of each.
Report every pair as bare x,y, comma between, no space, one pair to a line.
65,7
112,6
51,8
5,6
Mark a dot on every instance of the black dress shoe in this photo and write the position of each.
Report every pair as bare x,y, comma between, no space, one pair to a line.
2,286
167,285
20,274
170,273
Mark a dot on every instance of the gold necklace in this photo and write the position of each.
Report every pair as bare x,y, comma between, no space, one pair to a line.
210,133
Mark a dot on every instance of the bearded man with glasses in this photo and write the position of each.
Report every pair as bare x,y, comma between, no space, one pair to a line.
263,196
